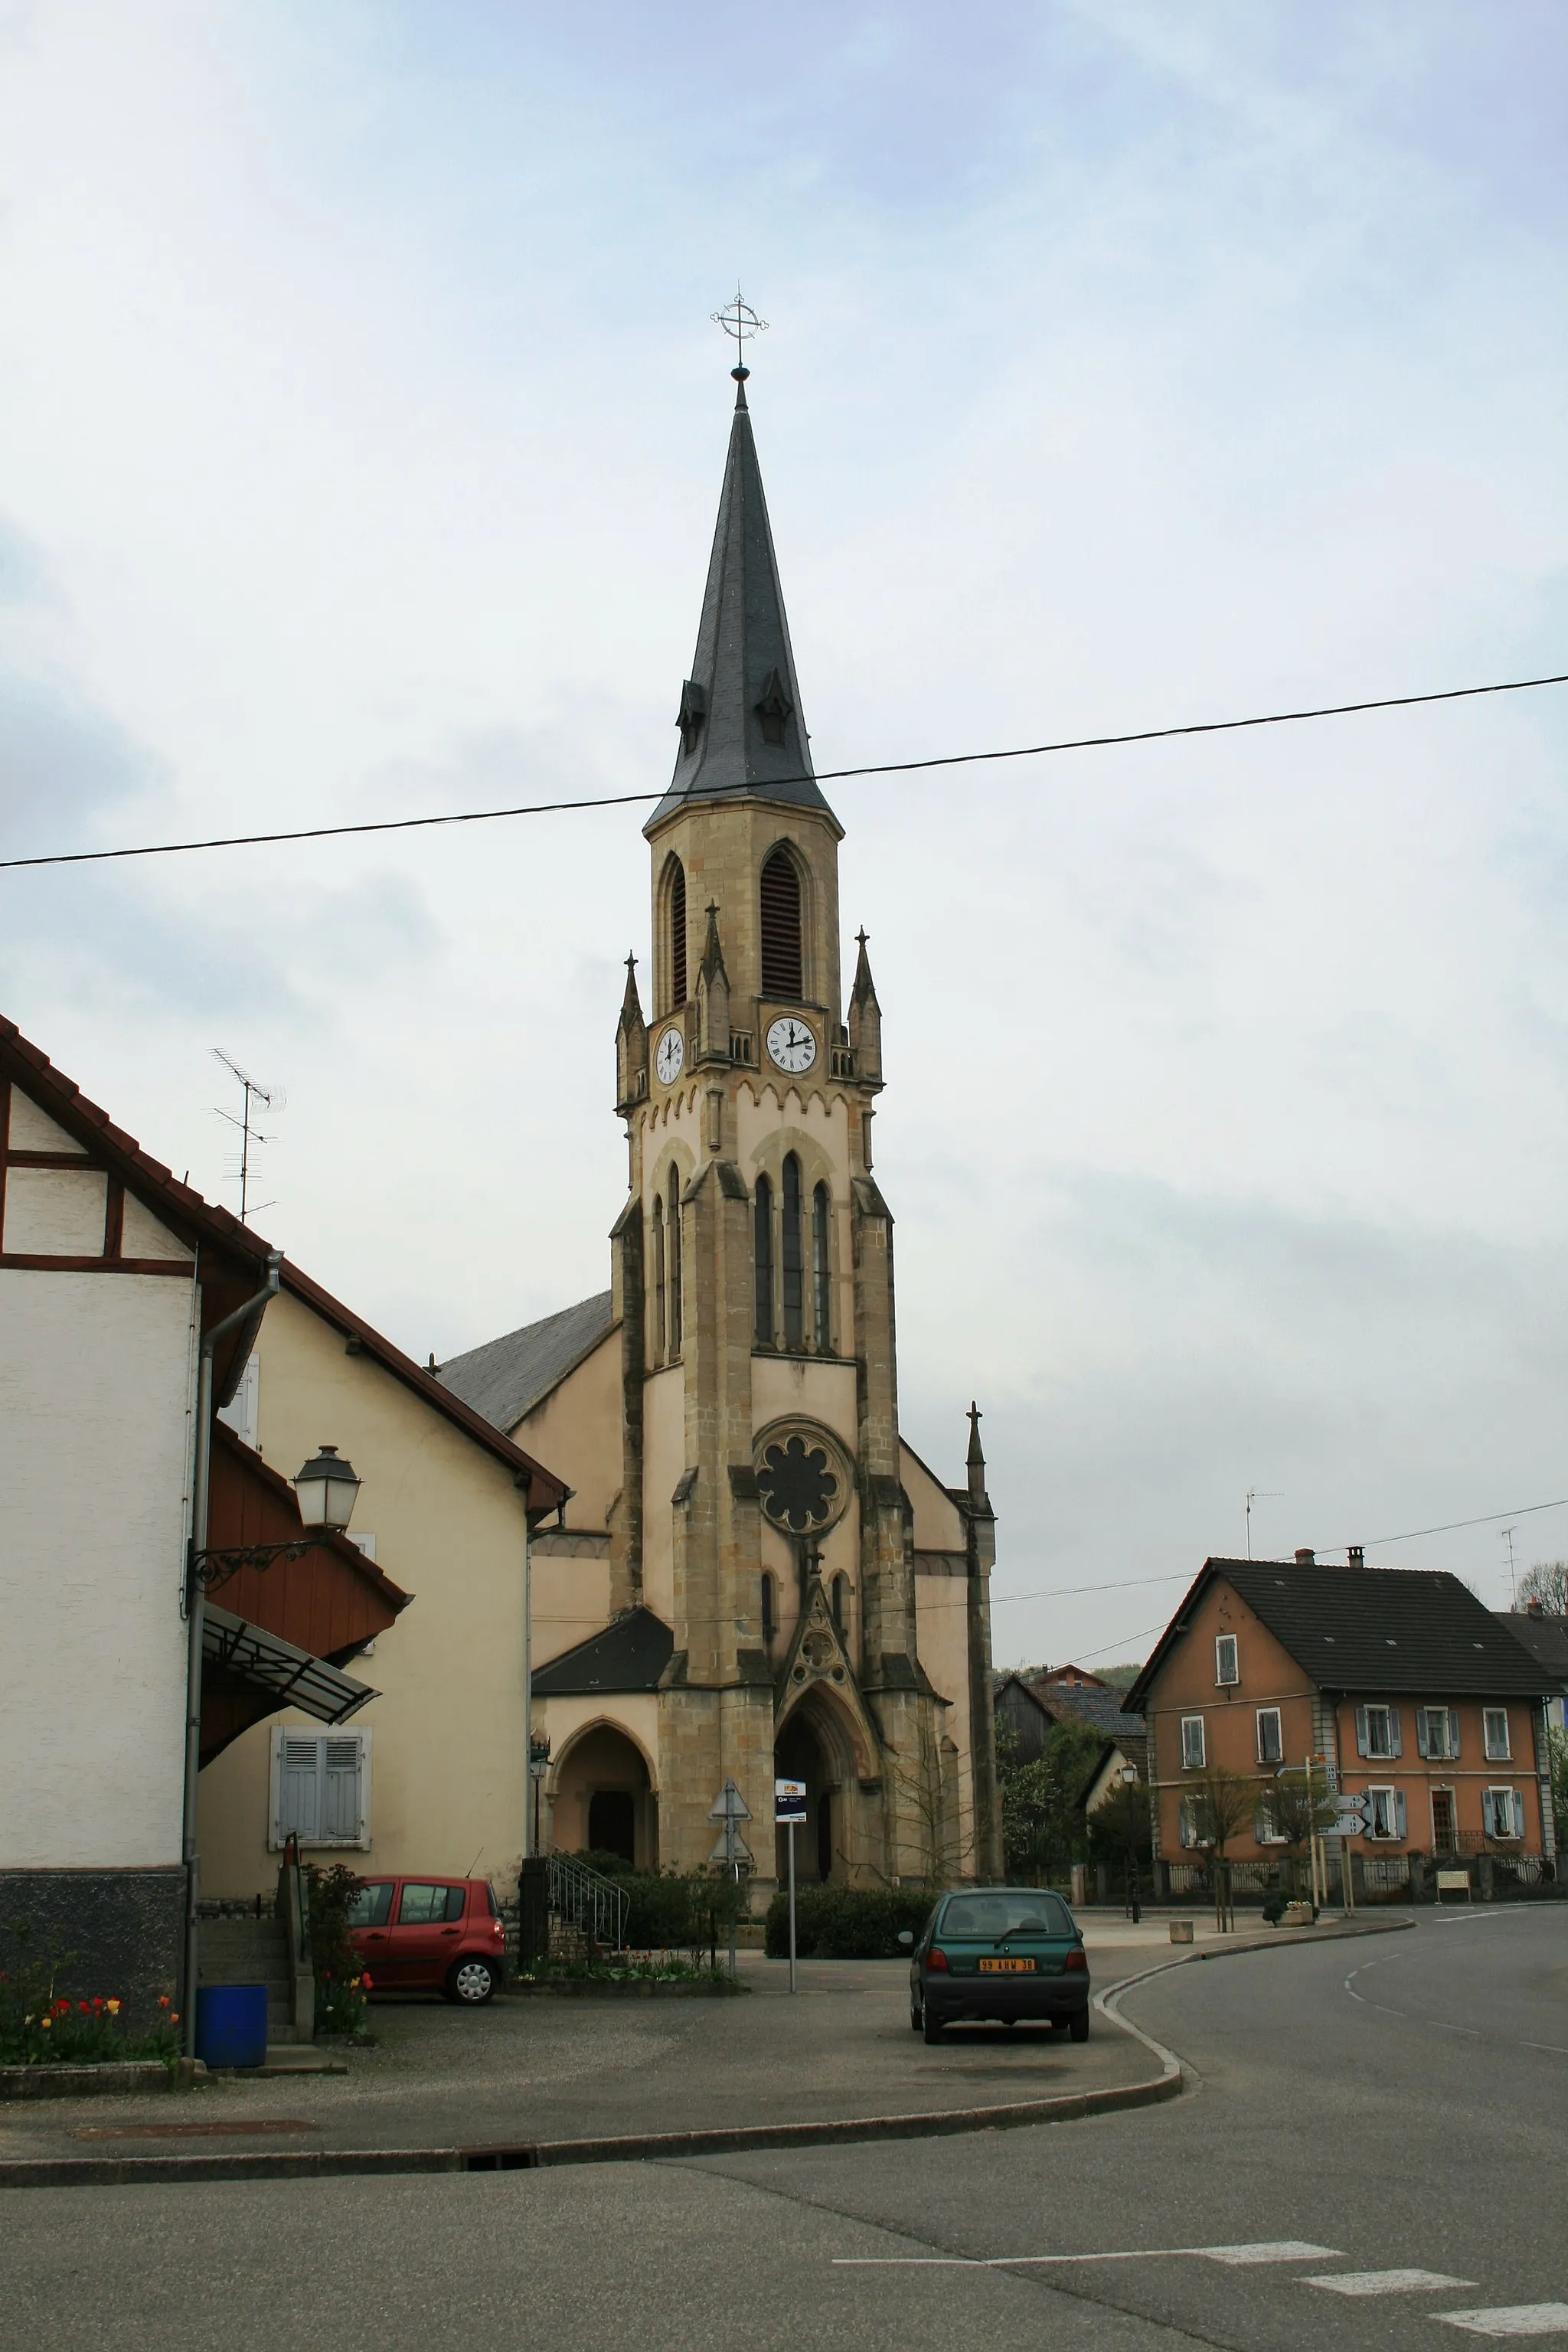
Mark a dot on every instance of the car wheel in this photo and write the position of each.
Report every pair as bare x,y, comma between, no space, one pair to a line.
1079,2026
932,2026
471,1982
916,2018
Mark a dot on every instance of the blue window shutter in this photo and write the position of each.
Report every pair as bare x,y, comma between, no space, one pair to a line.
1454,1731
1395,1745
1518,1811
1422,1743
1399,1813
299,1785
1361,1746
1487,1823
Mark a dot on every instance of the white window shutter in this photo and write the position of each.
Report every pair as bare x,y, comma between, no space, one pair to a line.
1360,1746
343,1815
299,1787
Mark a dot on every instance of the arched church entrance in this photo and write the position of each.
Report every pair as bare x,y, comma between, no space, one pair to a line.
813,1746
604,1800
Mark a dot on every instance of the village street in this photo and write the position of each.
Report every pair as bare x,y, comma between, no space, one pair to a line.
1387,2106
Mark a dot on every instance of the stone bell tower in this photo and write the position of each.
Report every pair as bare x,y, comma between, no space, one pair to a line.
762,1511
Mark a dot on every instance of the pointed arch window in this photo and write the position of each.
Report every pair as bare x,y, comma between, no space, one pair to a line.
658,1301
675,1299
792,1256
841,1603
780,926
769,1610
821,1268
762,1261
675,907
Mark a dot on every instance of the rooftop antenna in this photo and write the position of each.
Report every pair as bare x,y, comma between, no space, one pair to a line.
739,318
1505,1535
1259,1494
255,1096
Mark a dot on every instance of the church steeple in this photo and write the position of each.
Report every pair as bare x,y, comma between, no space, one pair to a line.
741,732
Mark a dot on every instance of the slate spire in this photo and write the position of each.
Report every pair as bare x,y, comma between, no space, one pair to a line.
742,733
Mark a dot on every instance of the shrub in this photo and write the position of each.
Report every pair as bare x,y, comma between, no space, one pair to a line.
847,1923
342,1986
679,1911
39,2027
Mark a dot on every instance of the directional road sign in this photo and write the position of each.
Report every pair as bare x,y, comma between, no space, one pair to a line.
1351,1821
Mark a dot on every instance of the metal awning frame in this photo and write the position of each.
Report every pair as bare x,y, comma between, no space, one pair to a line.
292,1675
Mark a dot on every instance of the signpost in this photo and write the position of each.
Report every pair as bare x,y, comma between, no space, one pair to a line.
731,1808
789,1808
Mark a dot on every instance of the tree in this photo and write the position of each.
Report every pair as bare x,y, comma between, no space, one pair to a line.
1120,1830
1042,1822
927,1788
1546,1581
1301,1809
1557,1753
1222,1803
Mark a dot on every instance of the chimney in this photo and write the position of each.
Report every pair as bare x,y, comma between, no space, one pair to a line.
1357,1556
1534,1608
1305,1559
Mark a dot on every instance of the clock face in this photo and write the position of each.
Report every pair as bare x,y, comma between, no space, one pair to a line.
670,1055
790,1044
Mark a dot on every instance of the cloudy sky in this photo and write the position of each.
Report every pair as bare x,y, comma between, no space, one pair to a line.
361,428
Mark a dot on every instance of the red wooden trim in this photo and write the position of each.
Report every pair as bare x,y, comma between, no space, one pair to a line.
113,1218
25,1262
4,1137
52,1160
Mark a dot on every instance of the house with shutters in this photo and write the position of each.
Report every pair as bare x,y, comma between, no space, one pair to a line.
163,1375
1419,1701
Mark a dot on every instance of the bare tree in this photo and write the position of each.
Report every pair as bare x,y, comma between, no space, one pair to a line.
1223,1803
1301,1809
1546,1581
927,1788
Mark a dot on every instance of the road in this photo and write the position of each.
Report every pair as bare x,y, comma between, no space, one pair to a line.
1359,2111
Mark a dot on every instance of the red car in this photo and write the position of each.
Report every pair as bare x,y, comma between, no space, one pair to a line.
430,1935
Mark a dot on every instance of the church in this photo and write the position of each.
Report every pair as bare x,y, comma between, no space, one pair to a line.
754,1575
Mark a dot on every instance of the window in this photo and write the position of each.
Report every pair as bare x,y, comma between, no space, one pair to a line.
658,1280
770,1611
428,1906
1225,1659
371,1906
1502,1813
1187,1823
792,1262
1437,1732
1270,1738
821,1269
1266,1827
841,1603
674,1303
1495,1720
762,1255
320,1787
781,926
676,902
1192,1743
1377,1731
1385,1812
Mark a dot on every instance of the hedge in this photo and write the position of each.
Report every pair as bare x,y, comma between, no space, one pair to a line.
847,1923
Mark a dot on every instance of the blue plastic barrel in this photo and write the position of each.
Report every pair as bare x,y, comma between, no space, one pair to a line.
231,2025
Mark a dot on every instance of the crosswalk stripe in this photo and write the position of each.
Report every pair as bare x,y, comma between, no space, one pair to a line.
1510,2319
1267,2250
1385,2282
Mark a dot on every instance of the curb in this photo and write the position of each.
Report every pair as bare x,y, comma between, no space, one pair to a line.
324,2164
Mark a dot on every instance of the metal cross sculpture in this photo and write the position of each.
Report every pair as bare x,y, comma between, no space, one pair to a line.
739,318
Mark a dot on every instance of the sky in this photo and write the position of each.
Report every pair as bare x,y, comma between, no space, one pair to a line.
361,432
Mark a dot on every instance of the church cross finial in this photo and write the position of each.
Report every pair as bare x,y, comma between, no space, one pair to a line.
739,318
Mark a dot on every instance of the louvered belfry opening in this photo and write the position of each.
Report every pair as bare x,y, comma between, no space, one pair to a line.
676,935
780,926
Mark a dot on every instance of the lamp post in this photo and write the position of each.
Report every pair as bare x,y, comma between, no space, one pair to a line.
326,1489
1130,1782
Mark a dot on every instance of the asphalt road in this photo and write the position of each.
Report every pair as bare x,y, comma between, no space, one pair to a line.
1360,2111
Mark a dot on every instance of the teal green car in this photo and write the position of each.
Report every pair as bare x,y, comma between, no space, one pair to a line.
1001,1955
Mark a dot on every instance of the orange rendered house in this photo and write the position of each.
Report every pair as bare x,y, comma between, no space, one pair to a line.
1417,1699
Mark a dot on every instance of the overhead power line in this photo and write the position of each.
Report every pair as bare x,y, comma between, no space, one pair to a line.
826,776
1487,1519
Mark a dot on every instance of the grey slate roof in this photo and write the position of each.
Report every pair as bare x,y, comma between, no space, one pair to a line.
1101,1709
743,640
1373,1629
629,1655
506,1377
1545,1637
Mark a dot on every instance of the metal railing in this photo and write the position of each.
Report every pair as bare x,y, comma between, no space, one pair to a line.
586,1902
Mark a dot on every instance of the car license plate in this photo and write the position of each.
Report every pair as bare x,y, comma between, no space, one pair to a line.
1007,1967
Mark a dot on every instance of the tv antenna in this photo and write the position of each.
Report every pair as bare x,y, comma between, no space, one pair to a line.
255,1097
1505,1535
1259,1494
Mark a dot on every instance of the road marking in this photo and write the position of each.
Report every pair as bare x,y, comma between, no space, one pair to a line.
1385,2282
1270,2250
1510,2319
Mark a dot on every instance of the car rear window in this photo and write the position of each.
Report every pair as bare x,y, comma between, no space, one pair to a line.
490,1898
372,1904
422,1905
1021,1914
